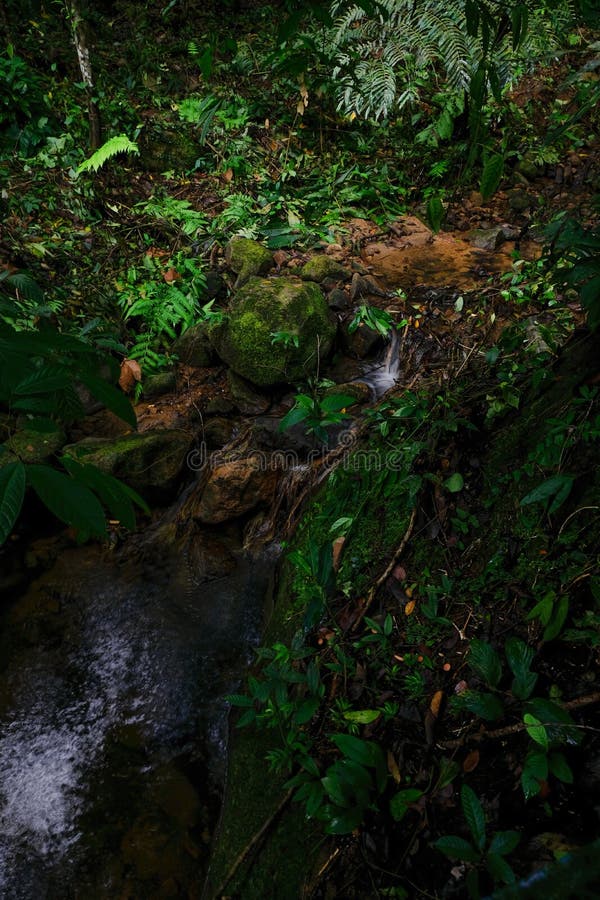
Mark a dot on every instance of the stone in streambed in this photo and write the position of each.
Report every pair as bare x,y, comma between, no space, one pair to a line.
157,385
264,307
150,462
194,348
487,238
247,258
34,447
323,268
234,489
246,398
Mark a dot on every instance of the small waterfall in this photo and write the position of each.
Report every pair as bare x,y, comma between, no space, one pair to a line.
383,375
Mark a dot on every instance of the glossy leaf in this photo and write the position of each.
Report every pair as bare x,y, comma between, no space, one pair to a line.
69,501
491,175
485,661
401,801
455,847
504,842
473,812
12,492
111,397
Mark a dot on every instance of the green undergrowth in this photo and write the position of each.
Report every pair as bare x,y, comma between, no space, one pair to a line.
497,578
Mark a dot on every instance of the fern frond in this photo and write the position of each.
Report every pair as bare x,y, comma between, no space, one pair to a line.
382,60
114,145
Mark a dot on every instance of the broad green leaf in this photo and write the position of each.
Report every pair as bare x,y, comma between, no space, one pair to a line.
362,716
435,214
111,397
455,847
560,768
487,706
314,799
499,869
519,21
293,417
473,812
485,661
557,487
520,656
12,492
455,483
556,720
491,175
246,719
341,822
44,380
401,801
504,842
336,402
559,615
536,730
116,496
543,609
534,772
356,749
69,501
306,710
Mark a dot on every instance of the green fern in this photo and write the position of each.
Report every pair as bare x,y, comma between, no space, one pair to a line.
385,60
112,147
176,212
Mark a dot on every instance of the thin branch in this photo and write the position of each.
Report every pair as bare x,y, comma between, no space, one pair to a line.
388,571
484,735
253,843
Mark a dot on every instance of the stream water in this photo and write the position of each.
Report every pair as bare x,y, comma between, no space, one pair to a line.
113,722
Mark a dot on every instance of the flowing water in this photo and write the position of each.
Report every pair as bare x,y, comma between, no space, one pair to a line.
113,723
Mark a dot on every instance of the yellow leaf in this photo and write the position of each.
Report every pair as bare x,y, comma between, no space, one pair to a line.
393,767
409,608
436,702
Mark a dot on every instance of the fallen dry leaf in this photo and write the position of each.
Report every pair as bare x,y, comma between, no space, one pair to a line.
130,374
471,761
171,275
436,702
393,767
337,547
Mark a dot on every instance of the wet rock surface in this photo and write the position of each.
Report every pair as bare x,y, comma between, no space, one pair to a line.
150,462
113,722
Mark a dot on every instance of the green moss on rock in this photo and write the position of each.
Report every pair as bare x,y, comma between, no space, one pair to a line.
247,257
150,462
266,306
322,267
35,446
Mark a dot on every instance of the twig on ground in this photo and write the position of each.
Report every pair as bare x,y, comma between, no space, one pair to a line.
388,571
253,843
485,735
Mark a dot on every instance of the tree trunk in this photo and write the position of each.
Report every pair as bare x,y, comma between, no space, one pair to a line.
79,29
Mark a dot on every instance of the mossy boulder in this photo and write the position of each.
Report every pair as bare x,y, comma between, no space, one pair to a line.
323,268
267,306
150,462
247,257
35,446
